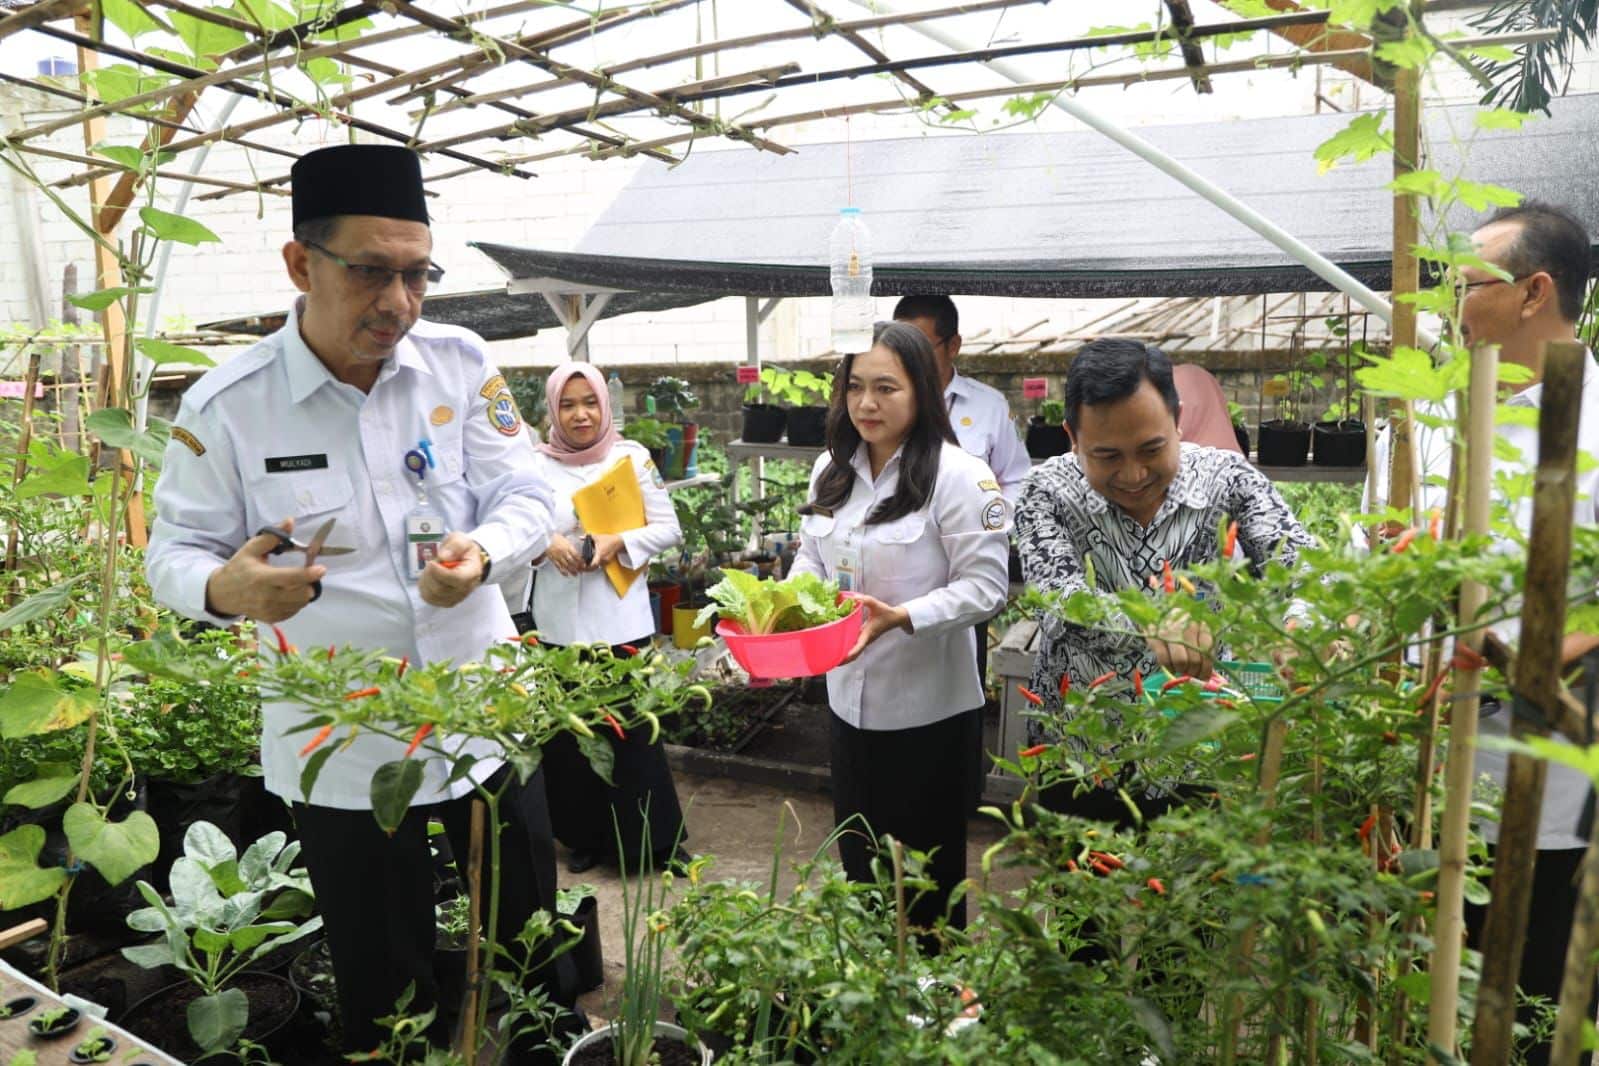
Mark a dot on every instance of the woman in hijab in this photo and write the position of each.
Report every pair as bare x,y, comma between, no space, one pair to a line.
574,602
1204,418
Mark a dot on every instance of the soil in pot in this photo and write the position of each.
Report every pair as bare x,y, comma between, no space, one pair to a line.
1283,443
1340,443
1045,440
763,423
58,1021
16,1008
807,426
666,1051
162,1019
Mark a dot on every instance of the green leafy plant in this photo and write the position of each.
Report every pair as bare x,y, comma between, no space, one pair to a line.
569,899
649,432
227,911
1051,413
802,601
797,388
96,1047
673,397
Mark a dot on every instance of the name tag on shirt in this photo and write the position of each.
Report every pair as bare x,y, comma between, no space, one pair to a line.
849,571
283,464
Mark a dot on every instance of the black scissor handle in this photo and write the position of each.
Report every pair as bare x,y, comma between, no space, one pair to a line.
285,542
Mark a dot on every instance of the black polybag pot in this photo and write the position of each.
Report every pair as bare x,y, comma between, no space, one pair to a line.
1340,443
1283,443
763,423
588,956
807,426
1045,440
176,805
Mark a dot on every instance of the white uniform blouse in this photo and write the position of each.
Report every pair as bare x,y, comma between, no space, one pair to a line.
980,416
585,609
945,564
271,434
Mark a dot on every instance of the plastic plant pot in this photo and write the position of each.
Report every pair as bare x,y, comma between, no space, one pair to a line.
16,1008
763,423
807,426
1339,443
1045,441
1283,444
685,634
53,1023
97,1048
802,653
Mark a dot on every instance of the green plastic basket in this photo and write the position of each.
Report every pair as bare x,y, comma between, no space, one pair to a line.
1258,681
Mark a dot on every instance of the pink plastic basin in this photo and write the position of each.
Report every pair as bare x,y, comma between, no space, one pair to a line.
803,653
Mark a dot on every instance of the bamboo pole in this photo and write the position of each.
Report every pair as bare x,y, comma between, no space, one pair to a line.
1536,686
1449,923
1577,983
1402,471
69,402
20,469
466,1042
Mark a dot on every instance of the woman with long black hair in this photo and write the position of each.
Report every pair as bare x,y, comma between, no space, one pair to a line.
916,529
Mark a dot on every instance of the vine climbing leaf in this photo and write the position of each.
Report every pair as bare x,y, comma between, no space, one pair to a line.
114,426
1357,142
22,879
164,225
161,353
116,849
101,299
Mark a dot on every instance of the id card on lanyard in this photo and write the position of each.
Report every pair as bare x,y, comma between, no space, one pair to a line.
424,523
849,576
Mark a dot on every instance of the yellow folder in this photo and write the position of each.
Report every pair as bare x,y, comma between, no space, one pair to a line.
613,504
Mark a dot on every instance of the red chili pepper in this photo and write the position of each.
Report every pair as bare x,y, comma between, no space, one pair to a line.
1432,689
316,741
1100,868
246,674
1389,737
1435,525
283,641
361,694
1229,704
1032,752
1404,539
530,640
1214,684
1426,896
1366,827
1154,883
1101,679
512,640
1167,581
405,660
630,649
1230,541
1138,684
1108,859
611,721
1174,682
416,741
1248,756
1030,696
449,564
331,651
1065,683
1071,864
1467,659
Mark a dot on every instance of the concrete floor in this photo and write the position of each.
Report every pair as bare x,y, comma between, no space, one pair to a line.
737,822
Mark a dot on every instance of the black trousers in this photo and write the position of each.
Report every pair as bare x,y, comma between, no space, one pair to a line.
916,785
375,893
1556,880
582,805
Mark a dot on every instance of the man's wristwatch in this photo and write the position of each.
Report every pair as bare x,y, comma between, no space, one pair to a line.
486,561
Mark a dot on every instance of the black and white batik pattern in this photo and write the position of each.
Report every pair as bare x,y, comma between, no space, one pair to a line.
1063,526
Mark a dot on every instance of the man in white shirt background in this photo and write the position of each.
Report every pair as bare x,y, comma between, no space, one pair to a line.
1547,254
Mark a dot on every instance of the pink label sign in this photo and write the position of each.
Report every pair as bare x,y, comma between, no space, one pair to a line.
749,375
14,390
1034,388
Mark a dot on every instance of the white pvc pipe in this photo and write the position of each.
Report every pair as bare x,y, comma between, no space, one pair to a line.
1318,264
145,368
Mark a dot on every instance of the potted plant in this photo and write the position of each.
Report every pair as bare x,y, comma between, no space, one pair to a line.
1339,437
807,395
580,905
54,1022
1285,440
227,911
16,1008
651,433
1235,411
1046,431
637,1036
98,1046
763,422
673,399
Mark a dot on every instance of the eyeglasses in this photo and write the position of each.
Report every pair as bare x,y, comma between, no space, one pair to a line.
1470,285
377,278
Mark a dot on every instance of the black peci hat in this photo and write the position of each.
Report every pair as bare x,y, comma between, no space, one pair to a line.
359,179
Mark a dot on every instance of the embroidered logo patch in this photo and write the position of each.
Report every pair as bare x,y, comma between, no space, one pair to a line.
966,420
994,515
502,411
655,474
988,485
190,441
442,415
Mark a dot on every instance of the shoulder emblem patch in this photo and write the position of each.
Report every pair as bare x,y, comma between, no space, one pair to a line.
655,473
502,412
994,515
190,441
988,485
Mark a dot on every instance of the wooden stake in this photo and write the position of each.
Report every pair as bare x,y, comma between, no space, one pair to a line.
1576,986
20,470
1459,774
1402,471
1536,687
466,1042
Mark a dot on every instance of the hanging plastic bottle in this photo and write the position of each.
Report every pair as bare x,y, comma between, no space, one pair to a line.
851,257
613,385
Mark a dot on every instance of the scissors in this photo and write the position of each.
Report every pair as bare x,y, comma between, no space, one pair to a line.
316,547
